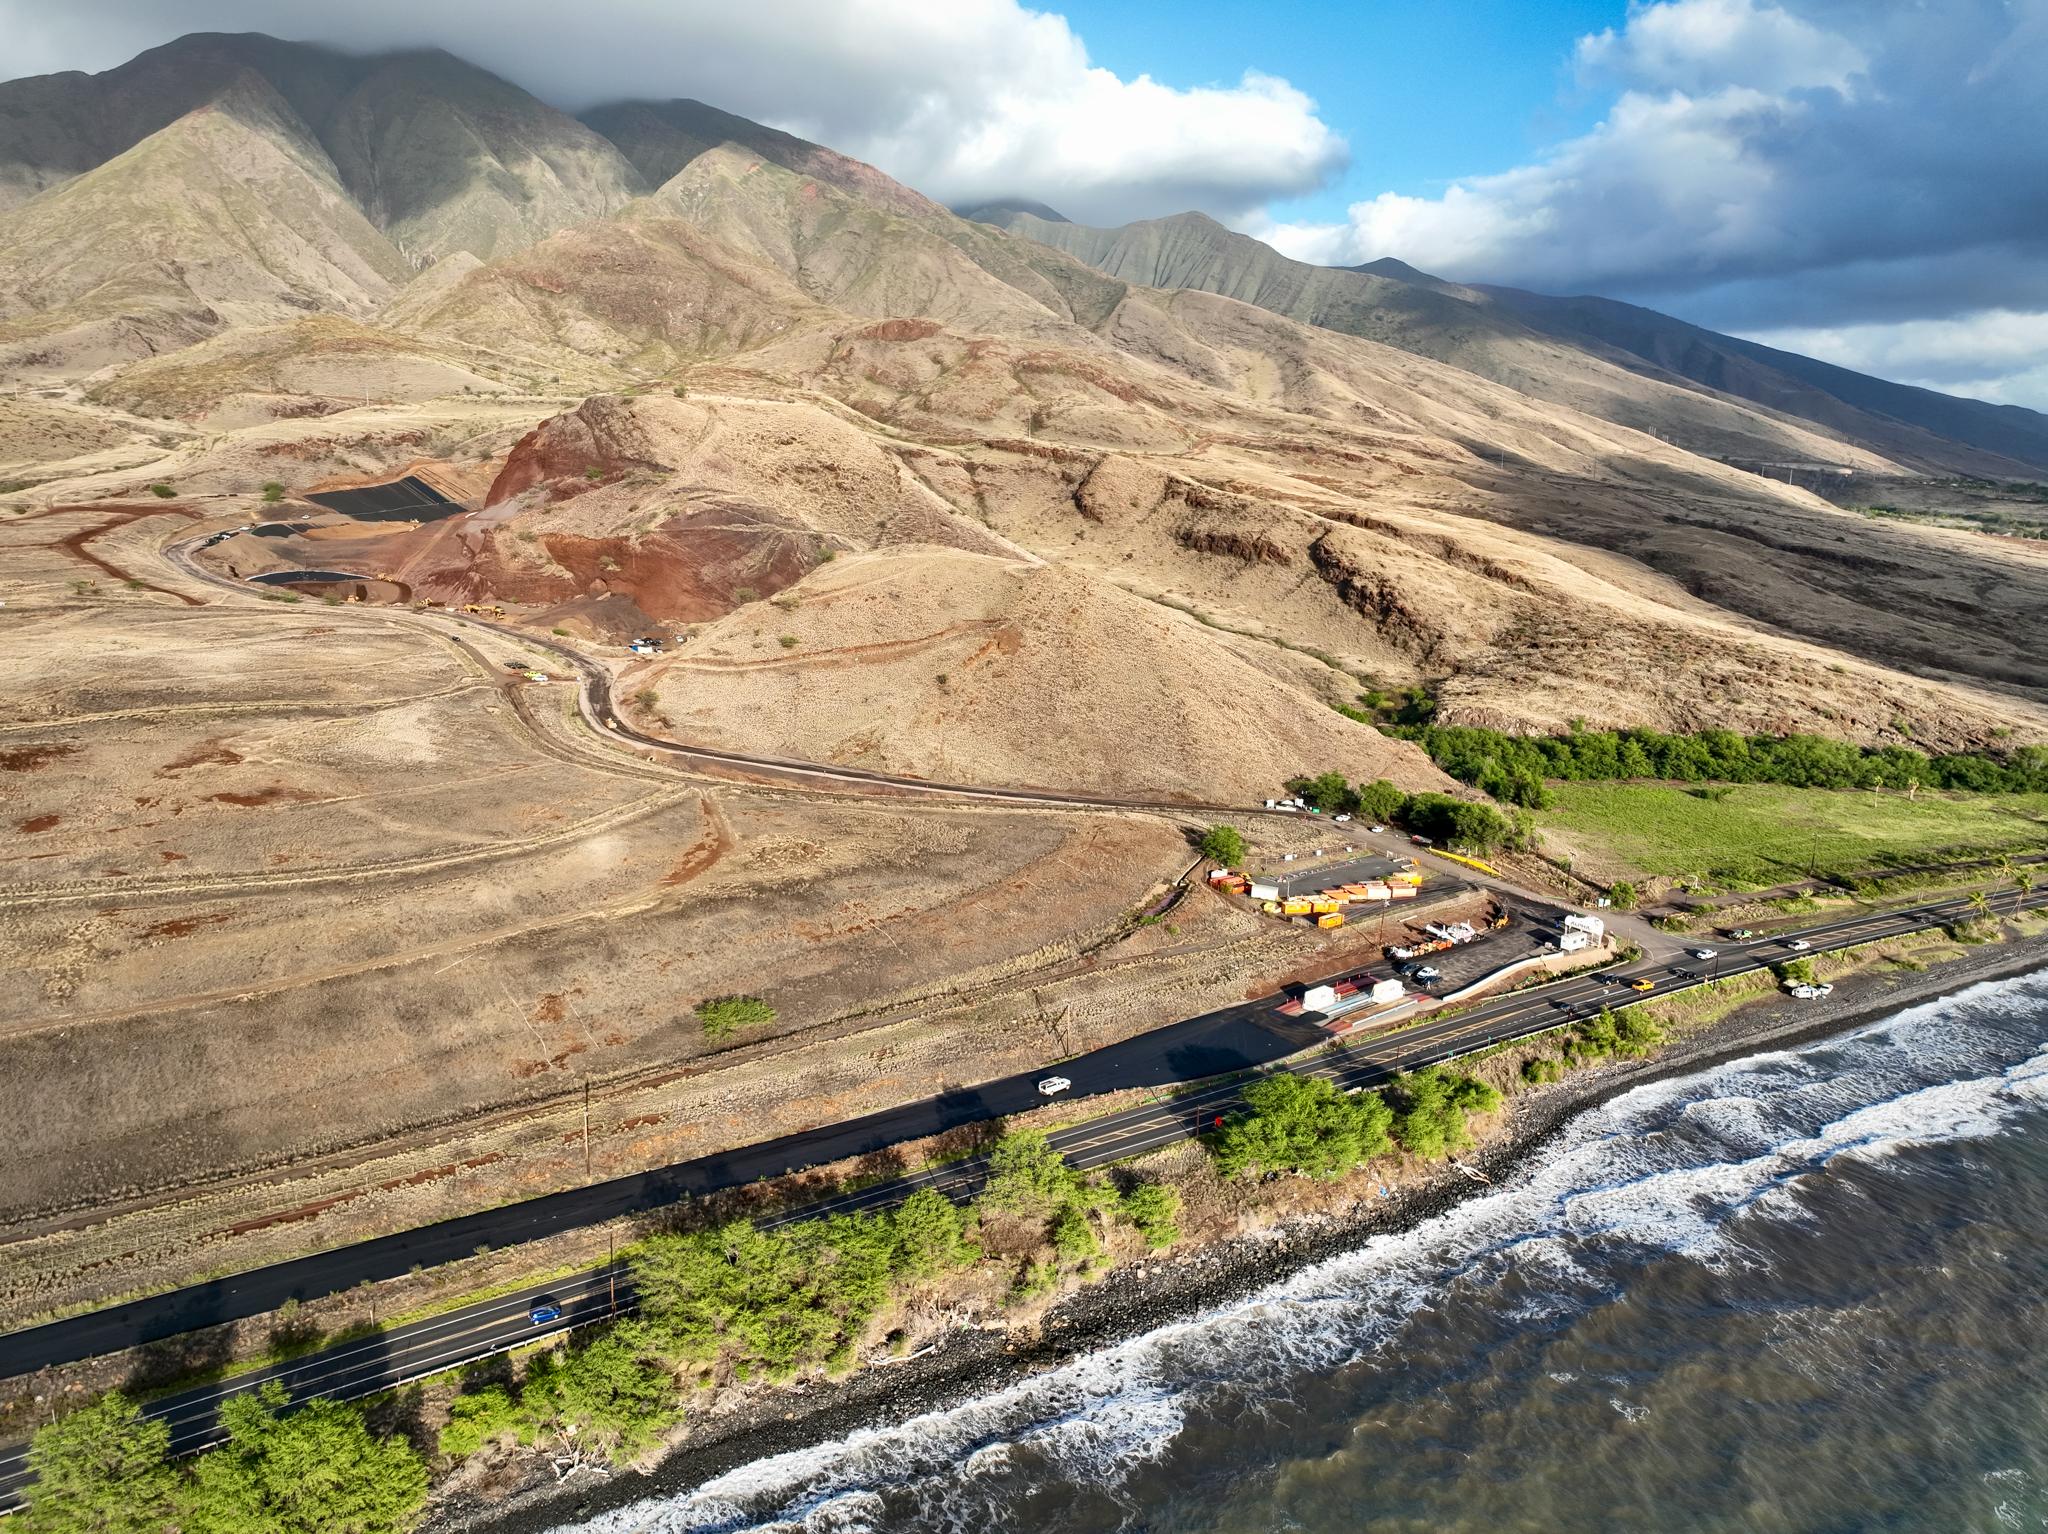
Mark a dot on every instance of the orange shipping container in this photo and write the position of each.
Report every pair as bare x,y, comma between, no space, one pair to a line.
1330,919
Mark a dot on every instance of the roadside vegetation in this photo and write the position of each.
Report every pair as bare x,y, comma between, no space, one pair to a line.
1441,818
106,1469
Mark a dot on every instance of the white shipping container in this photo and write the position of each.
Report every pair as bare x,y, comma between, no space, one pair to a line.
1265,892
1319,998
1384,991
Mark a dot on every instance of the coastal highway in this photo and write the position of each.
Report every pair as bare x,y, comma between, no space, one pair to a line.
1232,1039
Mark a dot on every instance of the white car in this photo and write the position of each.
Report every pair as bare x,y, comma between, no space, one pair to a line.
1429,972
1342,818
1799,945
1376,830
1052,1086
1812,992
1706,953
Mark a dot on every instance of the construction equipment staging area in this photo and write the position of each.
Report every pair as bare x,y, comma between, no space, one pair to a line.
1312,878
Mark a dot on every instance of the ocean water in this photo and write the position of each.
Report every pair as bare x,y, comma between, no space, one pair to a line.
1806,1291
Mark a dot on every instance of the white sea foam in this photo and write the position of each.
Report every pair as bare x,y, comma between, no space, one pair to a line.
1677,1167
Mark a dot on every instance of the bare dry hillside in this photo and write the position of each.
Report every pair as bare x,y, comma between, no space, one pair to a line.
966,668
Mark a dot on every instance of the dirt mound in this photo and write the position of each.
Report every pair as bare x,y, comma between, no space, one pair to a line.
980,670
690,507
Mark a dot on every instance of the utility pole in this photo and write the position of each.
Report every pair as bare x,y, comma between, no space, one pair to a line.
586,1129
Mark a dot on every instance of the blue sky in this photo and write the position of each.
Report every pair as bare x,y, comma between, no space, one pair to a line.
1424,92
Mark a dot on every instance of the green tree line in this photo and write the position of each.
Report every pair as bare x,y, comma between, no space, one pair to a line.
1512,768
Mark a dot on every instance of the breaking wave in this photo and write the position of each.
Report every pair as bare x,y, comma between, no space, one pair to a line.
1678,1167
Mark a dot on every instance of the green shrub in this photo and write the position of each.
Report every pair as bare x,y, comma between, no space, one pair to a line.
104,1467
931,1235
273,492
162,492
724,1015
1430,1109
477,1418
1223,844
1630,1033
1027,1176
769,1300
1073,1235
1301,1124
608,1393
1154,1211
313,1472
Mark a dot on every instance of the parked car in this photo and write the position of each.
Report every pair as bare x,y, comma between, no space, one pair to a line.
1812,992
1422,841
1428,972
1644,984
1798,945
1743,934
1706,953
1052,1086
1342,818
1376,830
543,1311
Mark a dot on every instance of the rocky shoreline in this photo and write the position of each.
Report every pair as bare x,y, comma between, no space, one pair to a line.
1134,1300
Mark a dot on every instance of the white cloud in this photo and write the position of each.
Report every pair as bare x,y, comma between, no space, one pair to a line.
1833,170
964,99
1702,45
1666,183
1997,354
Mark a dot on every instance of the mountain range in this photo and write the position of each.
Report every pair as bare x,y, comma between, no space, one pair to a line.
687,361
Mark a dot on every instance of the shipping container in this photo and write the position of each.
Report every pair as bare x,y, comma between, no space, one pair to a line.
1330,919
1297,906
1402,891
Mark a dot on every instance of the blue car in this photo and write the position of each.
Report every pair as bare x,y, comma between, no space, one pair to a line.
543,1312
